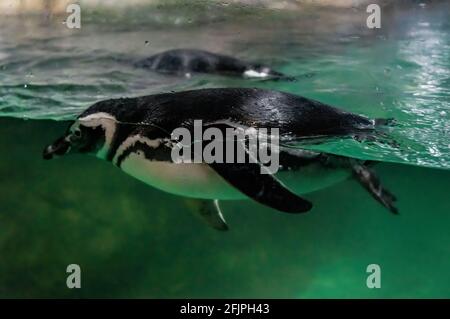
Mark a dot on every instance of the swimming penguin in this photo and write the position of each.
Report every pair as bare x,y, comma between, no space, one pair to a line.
188,61
136,135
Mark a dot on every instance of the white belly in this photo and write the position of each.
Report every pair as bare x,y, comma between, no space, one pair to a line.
200,181
191,180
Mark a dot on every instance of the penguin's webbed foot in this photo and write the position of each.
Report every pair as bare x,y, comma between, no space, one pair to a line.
371,182
209,211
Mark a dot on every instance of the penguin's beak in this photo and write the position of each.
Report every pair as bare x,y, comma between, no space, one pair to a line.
60,147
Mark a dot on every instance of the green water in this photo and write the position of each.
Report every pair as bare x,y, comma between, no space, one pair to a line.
134,241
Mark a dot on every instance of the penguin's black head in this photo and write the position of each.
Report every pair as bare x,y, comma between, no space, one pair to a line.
88,134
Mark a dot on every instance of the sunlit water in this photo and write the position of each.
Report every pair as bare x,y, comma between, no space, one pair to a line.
48,72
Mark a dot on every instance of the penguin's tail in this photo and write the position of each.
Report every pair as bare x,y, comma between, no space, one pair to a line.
380,133
275,76
382,122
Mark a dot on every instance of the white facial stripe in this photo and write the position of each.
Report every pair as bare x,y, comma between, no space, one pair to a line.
255,74
132,140
109,125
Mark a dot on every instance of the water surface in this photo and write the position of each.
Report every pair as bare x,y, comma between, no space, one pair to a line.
134,241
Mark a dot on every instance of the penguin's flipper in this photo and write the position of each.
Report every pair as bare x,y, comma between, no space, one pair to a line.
263,188
371,182
209,211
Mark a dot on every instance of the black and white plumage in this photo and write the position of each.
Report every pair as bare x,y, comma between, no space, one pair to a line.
189,61
135,135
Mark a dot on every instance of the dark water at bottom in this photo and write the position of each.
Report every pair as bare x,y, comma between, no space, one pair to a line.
134,241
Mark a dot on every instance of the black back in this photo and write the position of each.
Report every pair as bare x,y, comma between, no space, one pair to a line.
191,60
295,116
